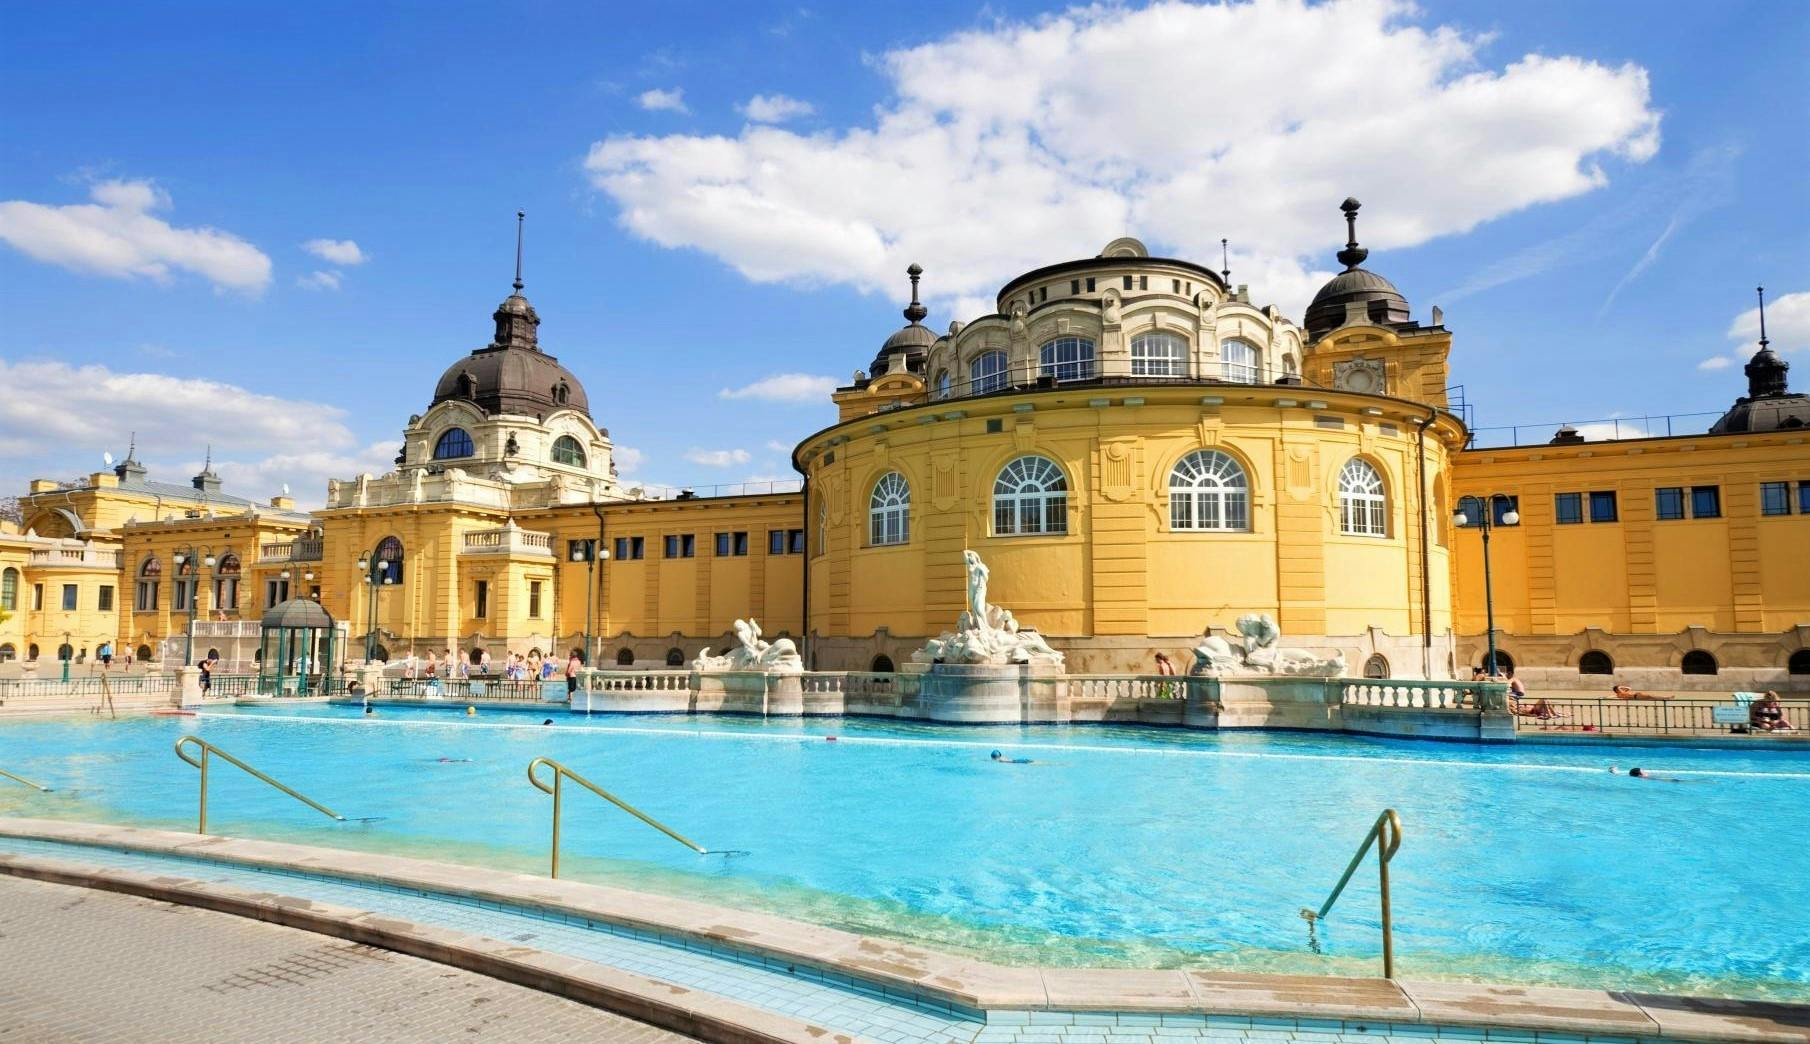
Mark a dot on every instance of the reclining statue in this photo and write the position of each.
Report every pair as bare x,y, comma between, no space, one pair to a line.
754,653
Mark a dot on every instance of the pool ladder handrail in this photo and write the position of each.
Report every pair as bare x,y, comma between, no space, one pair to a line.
26,782
208,749
1387,831
560,771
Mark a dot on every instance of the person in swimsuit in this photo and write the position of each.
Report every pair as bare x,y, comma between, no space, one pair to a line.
1003,760
1768,715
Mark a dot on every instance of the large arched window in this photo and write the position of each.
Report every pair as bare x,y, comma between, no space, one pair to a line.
987,373
454,443
150,571
1237,362
9,589
1030,496
1363,506
1067,359
8,653
387,562
1697,662
1208,490
1159,355
226,582
625,657
942,384
1595,662
566,450
889,511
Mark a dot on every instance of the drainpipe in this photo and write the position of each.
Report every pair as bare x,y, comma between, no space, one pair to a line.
590,653
804,512
1426,578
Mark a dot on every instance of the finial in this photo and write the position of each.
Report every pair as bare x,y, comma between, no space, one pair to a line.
915,311
1225,263
1353,255
518,250
132,447
208,463
1762,292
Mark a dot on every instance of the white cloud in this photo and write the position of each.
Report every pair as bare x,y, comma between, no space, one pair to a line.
319,281
663,100
784,387
1007,147
1787,325
118,235
1603,431
776,446
1716,362
75,413
774,108
628,459
723,458
336,251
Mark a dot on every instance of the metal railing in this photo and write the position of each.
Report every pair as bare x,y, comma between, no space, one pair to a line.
1649,717
1645,426
1413,693
208,749
118,682
1385,834
495,687
25,782
562,772
659,491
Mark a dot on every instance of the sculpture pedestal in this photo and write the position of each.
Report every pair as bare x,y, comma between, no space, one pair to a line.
749,692
992,694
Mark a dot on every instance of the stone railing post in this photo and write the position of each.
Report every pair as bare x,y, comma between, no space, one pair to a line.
188,686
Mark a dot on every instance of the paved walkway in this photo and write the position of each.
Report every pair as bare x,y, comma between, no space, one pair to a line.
86,967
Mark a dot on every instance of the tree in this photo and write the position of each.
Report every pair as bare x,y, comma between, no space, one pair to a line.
12,511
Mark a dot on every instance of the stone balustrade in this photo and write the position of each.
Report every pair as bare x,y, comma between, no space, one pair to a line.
508,540
305,550
1127,686
80,555
1434,695
638,681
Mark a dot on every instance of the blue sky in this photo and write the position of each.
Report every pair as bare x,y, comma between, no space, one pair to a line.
1590,191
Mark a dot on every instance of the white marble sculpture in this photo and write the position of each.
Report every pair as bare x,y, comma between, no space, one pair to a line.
986,634
1260,654
754,654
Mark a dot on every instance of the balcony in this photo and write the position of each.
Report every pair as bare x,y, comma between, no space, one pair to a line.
290,551
73,556
509,540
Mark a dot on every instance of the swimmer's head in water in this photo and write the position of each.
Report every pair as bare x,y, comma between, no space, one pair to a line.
1636,771
549,721
996,755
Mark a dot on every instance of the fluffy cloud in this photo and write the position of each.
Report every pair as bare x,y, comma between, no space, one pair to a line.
774,108
119,235
628,459
336,251
661,100
1787,328
319,281
72,414
1007,147
784,387
1716,362
722,458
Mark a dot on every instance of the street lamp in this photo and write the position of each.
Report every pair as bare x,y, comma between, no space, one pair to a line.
376,577
185,555
67,653
1486,509
588,552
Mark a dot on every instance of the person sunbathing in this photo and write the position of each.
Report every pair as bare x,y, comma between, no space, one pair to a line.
1767,715
1622,692
1538,709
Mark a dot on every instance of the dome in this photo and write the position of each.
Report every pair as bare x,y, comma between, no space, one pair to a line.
1382,302
297,613
1769,404
512,374
912,340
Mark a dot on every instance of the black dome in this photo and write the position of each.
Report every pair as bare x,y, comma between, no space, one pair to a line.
914,340
512,374
1382,302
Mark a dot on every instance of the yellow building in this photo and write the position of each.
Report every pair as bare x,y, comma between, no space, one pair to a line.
1138,449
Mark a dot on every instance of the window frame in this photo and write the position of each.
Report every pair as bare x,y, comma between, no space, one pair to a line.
1083,366
889,511
1228,494
72,597
573,447
1030,495
1174,360
1239,372
1598,497
445,450
1363,512
987,372
9,588
1568,509
1713,496
1669,504
104,598
1783,503
535,599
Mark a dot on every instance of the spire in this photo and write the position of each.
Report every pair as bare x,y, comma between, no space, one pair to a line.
1766,371
130,467
914,311
207,481
1761,291
519,215
1353,255
516,320
1225,263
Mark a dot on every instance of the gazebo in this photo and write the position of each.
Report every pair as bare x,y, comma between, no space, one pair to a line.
295,642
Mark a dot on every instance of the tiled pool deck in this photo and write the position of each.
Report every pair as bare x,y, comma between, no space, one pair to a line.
782,980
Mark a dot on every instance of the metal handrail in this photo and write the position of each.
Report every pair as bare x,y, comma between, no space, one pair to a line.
26,782
1386,829
560,771
209,749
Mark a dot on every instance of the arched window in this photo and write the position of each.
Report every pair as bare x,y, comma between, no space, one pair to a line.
8,653
987,373
149,572
1208,490
1377,666
942,384
1363,507
143,653
31,653
562,393
1505,664
675,657
226,582
1595,662
9,589
889,511
625,657
65,652
566,450
454,443
1159,355
1697,662
1030,496
1237,362
882,664
1799,663
1067,359
387,562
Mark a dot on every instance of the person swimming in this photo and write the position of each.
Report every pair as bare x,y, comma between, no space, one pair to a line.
370,709
1639,773
455,761
549,721
1003,760
471,712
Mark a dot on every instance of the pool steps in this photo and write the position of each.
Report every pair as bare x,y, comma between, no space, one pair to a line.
922,986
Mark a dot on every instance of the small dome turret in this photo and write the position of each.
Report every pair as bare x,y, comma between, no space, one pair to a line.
1382,302
914,339
1768,404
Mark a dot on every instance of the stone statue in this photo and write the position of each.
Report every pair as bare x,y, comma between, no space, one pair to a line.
1261,652
1111,304
754,654
977,584
985,633
1214,656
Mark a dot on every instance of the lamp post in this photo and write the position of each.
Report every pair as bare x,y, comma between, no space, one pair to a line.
67,653
370,569
1486,509
185,555
588,552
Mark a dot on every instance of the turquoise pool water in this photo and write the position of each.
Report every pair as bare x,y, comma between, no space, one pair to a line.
1128,845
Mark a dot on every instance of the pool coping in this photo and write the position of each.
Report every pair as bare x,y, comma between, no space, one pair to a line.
969,983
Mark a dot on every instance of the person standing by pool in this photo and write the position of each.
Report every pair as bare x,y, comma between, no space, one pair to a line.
207,675
573,666
484,663
105,652
433,667
1166,689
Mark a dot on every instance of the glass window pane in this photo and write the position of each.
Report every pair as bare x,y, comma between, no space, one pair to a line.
1706,502
1775,498
1668,502
1803,497
1602,507
1569,507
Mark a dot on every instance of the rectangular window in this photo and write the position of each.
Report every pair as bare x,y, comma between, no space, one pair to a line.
1602,506
688,546
106,601
1568,508
146,596
37,598
1706,501
1090,284
1143,282
722,545
1127,282
672,545
226,592
795,541
1175,286
276,592
534,599
179,595
481,603
69,597
637,547
1043,294
1775,498
741,544
622,549
1803,497
1668,502
1074,286
776,541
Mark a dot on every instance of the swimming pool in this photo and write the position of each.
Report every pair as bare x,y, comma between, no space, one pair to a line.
1117,846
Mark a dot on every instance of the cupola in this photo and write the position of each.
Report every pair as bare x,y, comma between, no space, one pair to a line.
1378,300
1769,404
913,341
